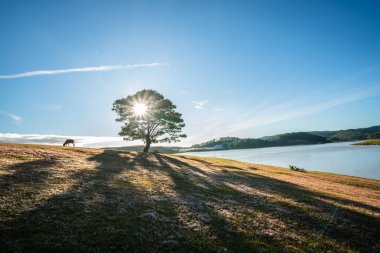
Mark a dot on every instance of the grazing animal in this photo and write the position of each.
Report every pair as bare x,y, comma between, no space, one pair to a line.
68,141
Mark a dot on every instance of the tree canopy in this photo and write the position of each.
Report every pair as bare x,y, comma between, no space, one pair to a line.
149,117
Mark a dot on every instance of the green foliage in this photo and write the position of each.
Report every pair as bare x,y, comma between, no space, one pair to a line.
160,123
272,141
374,135
351,134
298,138
295,168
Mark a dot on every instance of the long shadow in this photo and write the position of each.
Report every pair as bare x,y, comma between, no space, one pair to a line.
214,165
283,188
341,224
195,197
182,164
94,215
97,215
78,219
31,174
31,169
345,221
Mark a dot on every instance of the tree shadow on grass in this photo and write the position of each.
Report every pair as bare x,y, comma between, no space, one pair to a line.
97,214
26,171
22,177
79,219
324,218
210,163
306,196
219,234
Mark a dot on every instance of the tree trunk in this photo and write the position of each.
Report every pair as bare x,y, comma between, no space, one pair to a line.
147,146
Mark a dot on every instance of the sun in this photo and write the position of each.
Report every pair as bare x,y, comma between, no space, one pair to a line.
139,109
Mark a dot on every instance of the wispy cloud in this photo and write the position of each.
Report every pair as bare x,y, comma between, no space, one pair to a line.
282,112
85,69
17,119
233,123
218,109
200,104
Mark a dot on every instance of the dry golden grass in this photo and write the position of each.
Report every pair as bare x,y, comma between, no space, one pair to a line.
74,199
368,142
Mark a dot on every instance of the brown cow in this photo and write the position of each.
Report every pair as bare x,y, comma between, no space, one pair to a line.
68,141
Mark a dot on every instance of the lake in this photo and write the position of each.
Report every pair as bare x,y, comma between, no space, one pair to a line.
341,158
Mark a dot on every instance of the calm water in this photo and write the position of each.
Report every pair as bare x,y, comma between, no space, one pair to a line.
341,158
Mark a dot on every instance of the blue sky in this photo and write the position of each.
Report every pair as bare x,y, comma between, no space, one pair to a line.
236,68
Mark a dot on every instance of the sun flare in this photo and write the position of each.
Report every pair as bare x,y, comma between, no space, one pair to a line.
139,109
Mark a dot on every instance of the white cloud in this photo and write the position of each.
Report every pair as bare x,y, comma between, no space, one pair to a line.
200,104
218,109
85,69
17,119
80,141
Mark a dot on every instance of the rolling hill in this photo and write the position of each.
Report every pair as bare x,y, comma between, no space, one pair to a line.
289,139
350,134
64,199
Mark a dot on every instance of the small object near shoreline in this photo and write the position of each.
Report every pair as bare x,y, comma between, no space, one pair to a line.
295,168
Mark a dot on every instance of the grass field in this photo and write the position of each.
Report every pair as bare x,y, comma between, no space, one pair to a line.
368,142
63,199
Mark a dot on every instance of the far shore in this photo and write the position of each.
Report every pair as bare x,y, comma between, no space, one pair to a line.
368,142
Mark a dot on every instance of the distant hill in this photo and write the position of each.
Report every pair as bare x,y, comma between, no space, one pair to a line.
325,134
350,134
299,138
289,139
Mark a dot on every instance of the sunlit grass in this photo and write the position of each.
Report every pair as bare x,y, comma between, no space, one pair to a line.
64,198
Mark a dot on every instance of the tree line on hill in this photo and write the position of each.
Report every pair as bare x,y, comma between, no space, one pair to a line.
288,139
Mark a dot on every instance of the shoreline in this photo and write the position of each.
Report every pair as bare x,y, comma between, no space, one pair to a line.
372,142
339,158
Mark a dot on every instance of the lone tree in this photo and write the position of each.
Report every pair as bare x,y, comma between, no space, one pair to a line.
149,117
